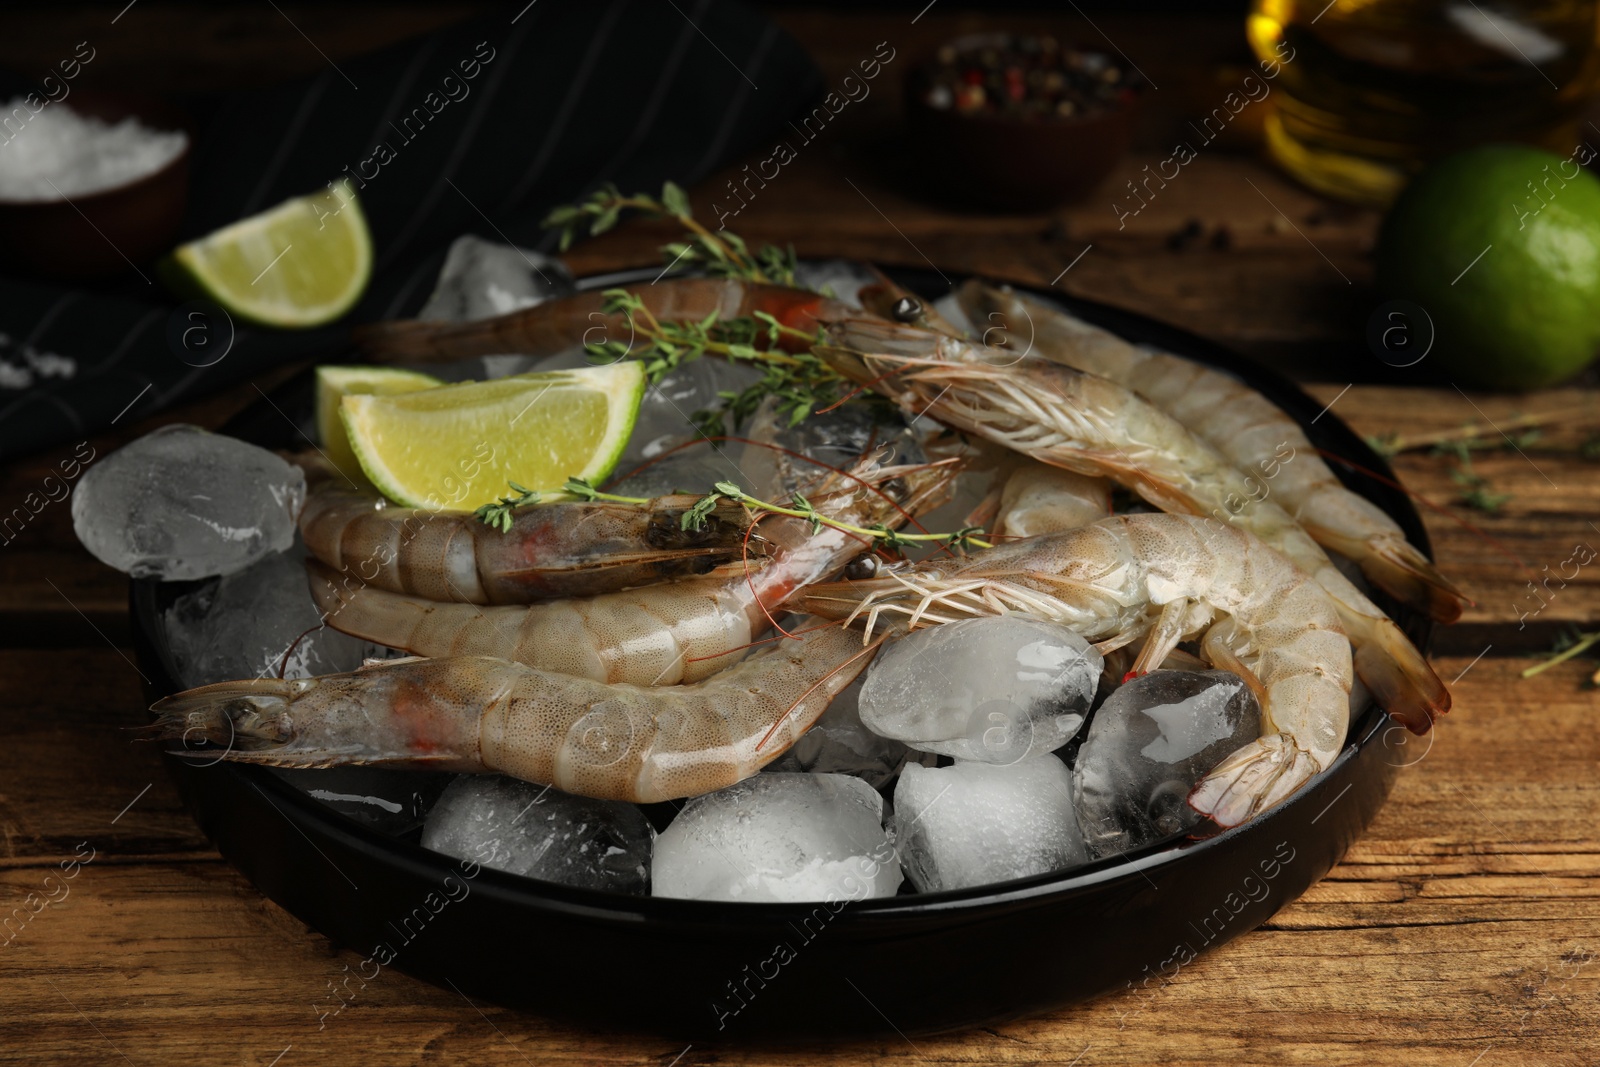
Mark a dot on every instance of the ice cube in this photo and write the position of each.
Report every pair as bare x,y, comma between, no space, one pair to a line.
390,801
665,423
254,623
835,439
975,823
779,837
970,491
538,832
838,743
666,414
182,503
693,470
840,278
950,307
481,279
994,690
1148,745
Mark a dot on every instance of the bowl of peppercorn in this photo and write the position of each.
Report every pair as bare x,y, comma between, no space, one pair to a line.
1019,123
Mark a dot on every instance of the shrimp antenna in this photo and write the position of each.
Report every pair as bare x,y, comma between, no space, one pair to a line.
864,483
749,578
756,642
857,391
869,652
283,660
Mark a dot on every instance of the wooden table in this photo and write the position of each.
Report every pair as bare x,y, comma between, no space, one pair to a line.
1461,930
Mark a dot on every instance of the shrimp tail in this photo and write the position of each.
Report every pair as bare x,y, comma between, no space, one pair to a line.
323,722
245,716
1403,684
1400,569
1252,780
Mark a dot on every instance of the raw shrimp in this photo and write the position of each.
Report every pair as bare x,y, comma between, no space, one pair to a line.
889,300
577,548
667,634
1041,499
559,325
1244,426
1165,578
1085,423
479,714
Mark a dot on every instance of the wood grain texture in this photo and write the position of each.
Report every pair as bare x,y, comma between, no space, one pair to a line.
1463,929
1465,922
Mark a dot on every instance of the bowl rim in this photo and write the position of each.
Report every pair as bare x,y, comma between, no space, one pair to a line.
1118,110
1368,728
93,199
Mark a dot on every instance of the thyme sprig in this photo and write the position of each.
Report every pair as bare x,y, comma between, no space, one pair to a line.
499,515
1568,646
1476,492
721,254
1475,436
800,381
801,508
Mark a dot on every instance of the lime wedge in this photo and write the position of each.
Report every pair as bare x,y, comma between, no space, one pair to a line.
457,447
302,263
336,383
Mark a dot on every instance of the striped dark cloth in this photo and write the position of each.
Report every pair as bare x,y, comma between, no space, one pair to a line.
484,127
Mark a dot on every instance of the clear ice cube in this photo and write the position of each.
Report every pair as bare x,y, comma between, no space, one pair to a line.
842,279
834,439
1148,745
481,279
839,743
993,690
539,832
182,503
256,623
779,837
971,824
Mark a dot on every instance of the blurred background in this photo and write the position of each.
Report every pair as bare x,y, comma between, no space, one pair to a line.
1284,274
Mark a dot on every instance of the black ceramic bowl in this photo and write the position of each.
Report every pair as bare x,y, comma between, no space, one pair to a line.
703,970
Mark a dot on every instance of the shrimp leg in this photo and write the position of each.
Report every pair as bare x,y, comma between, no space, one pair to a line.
1125,574
1247,428
1089,424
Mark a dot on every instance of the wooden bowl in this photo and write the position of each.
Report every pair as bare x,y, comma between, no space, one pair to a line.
105,233
1011,163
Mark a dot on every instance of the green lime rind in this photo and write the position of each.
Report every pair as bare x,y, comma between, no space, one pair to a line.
1500,245
334,383
458,447
303,263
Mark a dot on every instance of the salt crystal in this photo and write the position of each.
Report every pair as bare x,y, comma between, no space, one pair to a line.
58,154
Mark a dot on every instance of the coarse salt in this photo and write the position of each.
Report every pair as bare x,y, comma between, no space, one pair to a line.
55,153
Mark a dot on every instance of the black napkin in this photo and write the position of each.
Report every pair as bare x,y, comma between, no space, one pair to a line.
484,127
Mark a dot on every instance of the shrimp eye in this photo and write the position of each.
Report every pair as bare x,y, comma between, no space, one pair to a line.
906,310
861,567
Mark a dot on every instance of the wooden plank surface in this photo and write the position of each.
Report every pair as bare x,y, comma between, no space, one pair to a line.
1465,922
1462,929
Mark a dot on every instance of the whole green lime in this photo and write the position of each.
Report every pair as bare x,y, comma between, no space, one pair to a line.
1501,246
